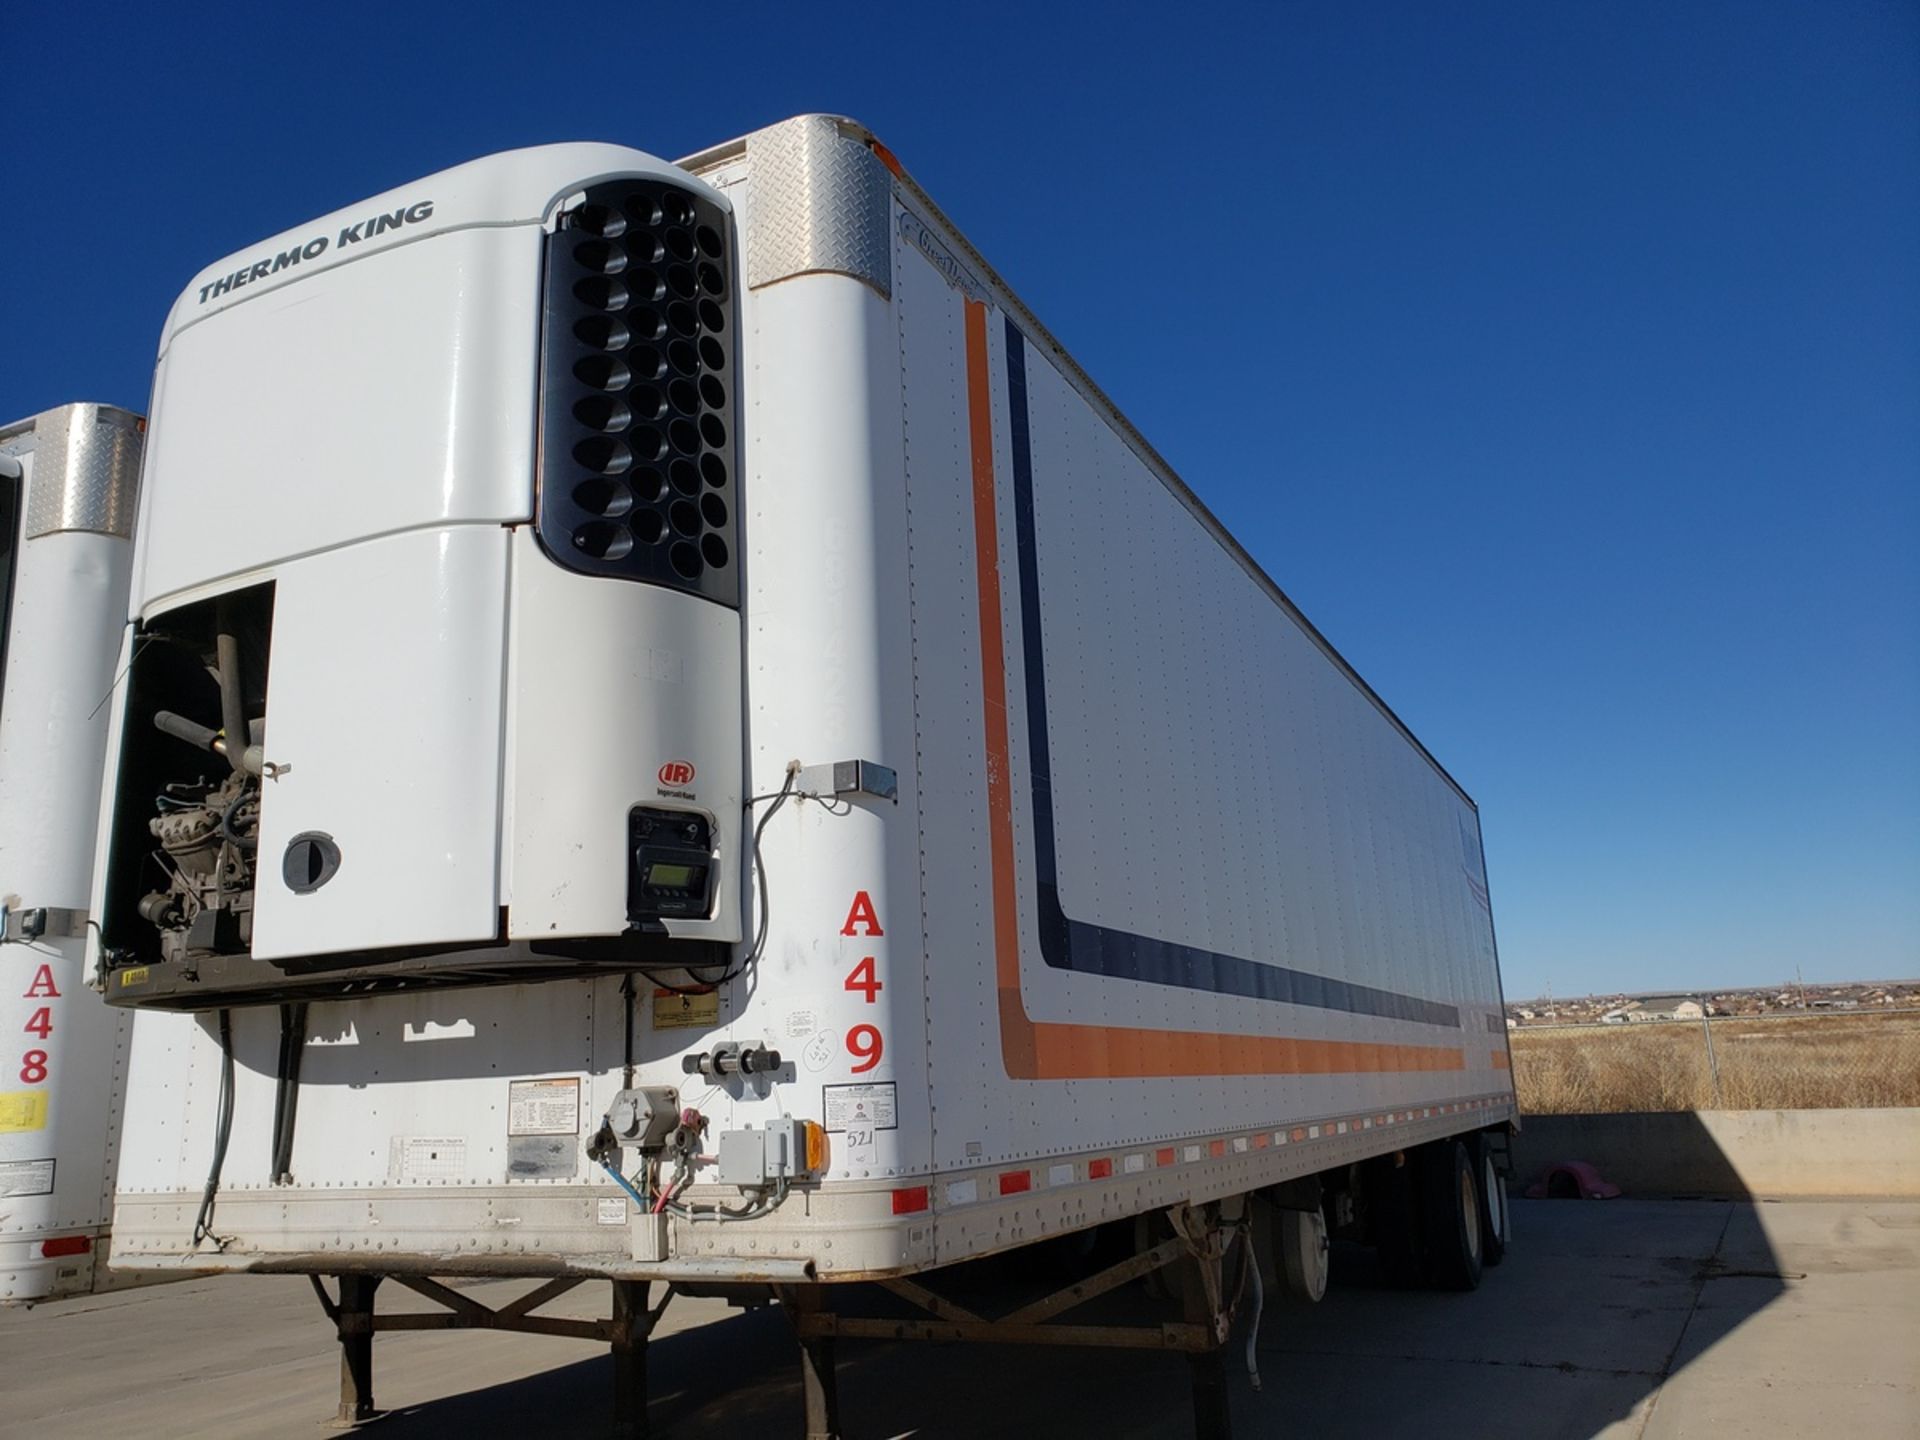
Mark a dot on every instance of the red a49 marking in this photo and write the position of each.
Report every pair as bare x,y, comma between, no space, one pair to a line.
865,1045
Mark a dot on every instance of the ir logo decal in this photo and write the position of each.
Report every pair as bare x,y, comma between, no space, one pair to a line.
676,773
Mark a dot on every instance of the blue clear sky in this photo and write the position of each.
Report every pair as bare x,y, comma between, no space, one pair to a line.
1563,361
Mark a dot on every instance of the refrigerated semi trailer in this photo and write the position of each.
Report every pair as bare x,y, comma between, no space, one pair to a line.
669,733
67,485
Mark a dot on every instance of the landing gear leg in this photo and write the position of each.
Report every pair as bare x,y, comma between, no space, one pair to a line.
1204,1301
631,1322
353,1322
805,1305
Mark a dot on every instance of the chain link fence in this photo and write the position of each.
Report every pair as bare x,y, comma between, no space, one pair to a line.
1802,1061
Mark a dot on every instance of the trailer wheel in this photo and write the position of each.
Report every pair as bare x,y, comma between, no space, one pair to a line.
1301,1238
1450,1214
1496,1214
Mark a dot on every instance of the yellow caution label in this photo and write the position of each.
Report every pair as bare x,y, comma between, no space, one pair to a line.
23,1110
673,1011
135,976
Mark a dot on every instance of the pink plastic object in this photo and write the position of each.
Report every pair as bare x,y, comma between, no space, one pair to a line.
1572,1180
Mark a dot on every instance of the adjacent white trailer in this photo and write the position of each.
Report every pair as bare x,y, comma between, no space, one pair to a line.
753,773
67,486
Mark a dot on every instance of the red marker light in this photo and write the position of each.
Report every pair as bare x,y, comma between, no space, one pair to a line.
910,1201
66,1245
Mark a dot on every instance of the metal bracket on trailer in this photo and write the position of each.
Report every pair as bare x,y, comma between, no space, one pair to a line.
23,924
1200,1238
626,1331
1201,1334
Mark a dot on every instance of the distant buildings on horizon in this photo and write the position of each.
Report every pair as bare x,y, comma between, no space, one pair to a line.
1623,1009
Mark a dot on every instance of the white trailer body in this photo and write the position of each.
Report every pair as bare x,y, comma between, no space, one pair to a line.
553,509
67,485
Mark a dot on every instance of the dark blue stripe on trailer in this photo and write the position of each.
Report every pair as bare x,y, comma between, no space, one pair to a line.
1069,944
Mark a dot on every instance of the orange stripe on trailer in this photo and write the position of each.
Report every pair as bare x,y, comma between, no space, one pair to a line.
1016,1033
1501,1061
1048,1050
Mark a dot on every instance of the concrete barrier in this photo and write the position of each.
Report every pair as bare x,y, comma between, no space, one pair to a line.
1740,1154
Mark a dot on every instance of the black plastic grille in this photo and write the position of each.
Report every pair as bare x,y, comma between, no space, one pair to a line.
638,478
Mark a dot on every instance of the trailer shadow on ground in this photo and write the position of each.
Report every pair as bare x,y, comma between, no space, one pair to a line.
1597,1307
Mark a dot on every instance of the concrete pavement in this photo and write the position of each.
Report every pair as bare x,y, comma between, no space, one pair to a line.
1623,1318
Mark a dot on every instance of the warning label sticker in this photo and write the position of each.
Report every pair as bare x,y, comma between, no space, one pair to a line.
543,1107
859,1106
23,1110
26,1177
611,1212
675,1011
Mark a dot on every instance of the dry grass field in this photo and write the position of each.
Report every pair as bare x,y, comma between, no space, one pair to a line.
1798,1063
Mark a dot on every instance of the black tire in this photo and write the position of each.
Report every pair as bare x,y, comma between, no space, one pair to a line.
1450,1211
1496,1210
1393,1220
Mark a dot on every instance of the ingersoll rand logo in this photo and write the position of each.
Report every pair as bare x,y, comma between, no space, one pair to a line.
676,779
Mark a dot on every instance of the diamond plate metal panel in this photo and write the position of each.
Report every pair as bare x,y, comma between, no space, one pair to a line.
86,471
820,202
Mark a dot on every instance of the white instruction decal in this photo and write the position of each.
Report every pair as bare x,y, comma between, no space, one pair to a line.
866,1106
26,1177
611,1212
801,1024
427,1157
543,1107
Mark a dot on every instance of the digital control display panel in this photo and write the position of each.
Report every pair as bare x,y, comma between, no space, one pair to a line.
669,866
